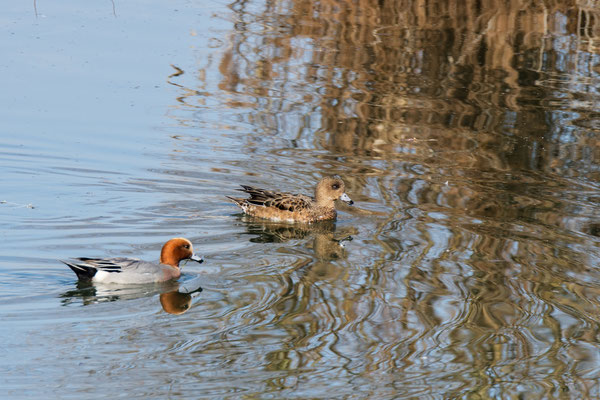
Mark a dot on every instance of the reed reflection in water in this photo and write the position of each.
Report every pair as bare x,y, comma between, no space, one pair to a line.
466,133
473,128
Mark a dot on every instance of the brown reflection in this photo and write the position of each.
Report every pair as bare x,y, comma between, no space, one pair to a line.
175,302
179,301
474,93
267,231
306,306
175,297
480,120
326,247
478,84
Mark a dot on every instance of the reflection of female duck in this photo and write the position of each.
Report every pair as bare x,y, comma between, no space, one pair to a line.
328,248
328,242
278,232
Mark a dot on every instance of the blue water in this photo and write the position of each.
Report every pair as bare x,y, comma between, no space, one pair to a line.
468,267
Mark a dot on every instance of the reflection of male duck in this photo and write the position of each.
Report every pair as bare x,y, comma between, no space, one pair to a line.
175,297
175,302
179,301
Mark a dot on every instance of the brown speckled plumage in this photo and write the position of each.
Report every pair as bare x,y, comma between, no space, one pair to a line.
290,207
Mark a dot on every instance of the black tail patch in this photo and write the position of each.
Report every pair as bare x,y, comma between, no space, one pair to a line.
84,273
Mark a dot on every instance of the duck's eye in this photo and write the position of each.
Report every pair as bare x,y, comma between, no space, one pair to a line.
186,246
335,186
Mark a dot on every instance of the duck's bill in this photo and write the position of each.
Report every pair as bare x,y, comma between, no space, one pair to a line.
197,258
346,199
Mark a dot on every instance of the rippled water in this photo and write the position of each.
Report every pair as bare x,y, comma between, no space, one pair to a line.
465,133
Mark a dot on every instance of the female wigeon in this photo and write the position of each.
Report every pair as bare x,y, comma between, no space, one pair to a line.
131,270
295,207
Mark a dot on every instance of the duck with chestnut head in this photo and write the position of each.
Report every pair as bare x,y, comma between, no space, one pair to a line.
131,270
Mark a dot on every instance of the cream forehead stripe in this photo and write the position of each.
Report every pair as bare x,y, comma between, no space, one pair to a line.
185,240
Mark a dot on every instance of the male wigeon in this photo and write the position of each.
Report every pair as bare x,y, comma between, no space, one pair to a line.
295,207
175,302
131,270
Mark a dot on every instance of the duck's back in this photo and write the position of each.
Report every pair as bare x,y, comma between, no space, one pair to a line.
130,270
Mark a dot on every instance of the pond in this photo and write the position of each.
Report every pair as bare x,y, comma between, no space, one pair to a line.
466,134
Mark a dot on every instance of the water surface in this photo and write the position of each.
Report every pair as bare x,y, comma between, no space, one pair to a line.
466,135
